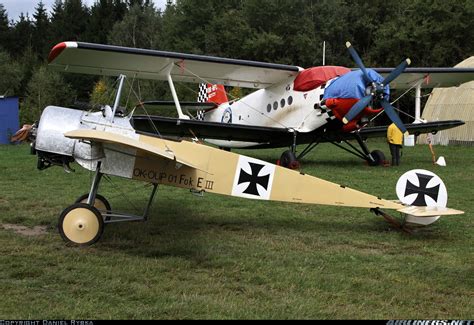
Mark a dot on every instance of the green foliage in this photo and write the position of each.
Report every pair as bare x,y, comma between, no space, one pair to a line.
431,33
22,35
104,14
441,36
41,32
10,73
69,21
45,88
5,31
100,94
140,27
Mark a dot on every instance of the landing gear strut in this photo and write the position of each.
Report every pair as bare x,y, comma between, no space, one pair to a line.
288,159
374,158
83,223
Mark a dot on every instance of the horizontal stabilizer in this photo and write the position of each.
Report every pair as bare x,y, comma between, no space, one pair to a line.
429,211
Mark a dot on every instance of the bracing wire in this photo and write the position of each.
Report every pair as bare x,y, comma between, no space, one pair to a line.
233,97
396,100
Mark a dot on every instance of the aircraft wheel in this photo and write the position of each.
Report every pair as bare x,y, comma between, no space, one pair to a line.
378,156
288,160
100,203
81,224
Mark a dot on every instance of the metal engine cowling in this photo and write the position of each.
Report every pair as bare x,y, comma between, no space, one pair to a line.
52,147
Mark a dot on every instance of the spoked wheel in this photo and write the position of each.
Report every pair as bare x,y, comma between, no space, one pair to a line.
288,160
100,203
81,224
379,158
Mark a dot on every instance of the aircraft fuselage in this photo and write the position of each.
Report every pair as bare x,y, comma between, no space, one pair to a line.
276,106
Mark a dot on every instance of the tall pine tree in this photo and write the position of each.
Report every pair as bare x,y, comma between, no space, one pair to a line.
23,36
5,32
104,14
42,32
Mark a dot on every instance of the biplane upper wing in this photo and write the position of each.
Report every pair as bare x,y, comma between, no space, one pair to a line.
111,60
429,77
99,59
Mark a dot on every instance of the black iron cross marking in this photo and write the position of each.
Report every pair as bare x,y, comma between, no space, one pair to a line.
422,190
253,179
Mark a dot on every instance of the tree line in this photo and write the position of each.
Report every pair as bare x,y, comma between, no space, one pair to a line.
431,32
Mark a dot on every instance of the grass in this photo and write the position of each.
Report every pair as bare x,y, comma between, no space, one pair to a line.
227,258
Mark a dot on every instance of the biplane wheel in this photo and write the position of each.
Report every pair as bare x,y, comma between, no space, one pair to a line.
81,224
100,203
288,160
378,156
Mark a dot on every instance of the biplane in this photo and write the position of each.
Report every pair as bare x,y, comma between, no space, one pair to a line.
107,142
290,105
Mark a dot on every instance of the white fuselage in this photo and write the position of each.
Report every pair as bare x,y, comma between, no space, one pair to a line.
277,106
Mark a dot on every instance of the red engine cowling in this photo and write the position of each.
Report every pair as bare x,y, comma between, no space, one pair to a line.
312,78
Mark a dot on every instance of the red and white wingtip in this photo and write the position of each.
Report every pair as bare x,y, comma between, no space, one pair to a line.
59,48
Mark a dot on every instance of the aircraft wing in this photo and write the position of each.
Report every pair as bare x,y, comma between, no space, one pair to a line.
420,128
266,137
429,77
114,138
209,130
111,60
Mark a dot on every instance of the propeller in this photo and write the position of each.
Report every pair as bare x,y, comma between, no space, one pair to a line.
375,91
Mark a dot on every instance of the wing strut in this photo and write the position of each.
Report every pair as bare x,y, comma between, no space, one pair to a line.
117,97
175,95
418,101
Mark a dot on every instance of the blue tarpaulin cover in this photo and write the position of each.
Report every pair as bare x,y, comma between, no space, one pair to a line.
352,85
9,118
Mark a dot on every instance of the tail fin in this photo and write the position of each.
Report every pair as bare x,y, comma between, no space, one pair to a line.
209,93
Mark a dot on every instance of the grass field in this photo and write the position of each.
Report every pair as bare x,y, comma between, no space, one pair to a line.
222,258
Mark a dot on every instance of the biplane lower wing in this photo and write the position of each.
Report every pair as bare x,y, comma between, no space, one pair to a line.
266,136
100,59
416,129
209,130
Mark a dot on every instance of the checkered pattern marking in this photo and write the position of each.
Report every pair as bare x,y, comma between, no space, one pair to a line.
202,96
200,115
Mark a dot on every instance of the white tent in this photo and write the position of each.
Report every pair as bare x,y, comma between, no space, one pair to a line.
455,103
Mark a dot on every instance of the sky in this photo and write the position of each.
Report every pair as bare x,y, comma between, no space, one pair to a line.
15,7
